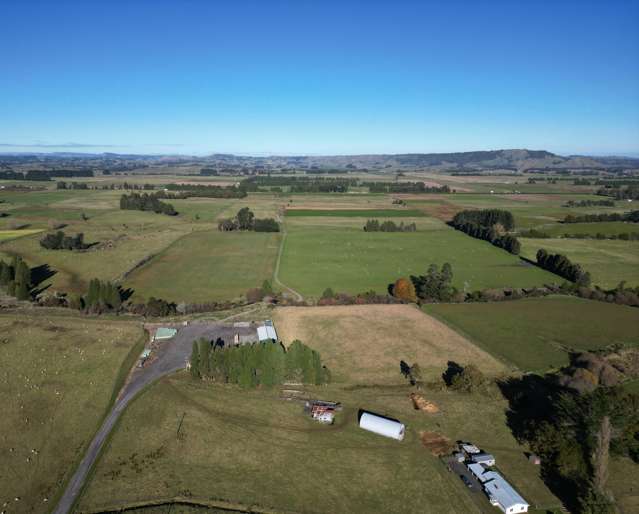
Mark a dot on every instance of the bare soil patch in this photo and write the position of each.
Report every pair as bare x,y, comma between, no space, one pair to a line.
435,443
365,343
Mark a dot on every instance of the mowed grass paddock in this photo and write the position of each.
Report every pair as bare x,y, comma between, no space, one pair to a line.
250,447
57,378
365,343
207,265
347,259
537,334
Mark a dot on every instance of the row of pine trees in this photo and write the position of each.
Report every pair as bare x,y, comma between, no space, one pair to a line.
102,296
251,365
16,278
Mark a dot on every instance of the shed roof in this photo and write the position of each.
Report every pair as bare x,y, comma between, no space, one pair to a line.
165,333
479,471
482,457
502,492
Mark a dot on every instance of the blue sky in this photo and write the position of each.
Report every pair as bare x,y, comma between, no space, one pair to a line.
320,77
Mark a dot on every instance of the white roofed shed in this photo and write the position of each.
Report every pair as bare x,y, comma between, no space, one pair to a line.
502,495
382,426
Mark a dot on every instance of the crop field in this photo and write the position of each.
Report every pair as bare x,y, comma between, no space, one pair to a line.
608,261
57,379
6,235
207,265
537,334
348,259
229,437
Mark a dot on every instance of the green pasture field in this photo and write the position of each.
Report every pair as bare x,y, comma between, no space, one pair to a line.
207,265
57,379
347,259
537,334
123,239
357,213
608,261
248,447
608,228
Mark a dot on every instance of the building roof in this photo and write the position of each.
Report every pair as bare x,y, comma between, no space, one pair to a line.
164,333
482,457
479,471
501,491
265,332
470,448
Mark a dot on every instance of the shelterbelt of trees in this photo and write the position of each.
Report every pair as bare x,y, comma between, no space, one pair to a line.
146,202
59,241
246,220
561,265
490,225
250,365
16,277
44,175
632,217
388,226
206,191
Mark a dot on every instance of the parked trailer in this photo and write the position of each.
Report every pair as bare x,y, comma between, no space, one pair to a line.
382,426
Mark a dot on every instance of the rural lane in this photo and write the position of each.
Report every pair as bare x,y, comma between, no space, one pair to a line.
276,273
169,357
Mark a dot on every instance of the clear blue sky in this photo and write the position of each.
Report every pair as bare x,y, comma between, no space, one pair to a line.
320,77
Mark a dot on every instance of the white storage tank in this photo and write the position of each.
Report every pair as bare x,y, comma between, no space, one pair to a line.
382,426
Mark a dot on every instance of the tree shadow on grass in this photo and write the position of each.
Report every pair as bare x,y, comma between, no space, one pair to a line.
40,274
453,369
532,401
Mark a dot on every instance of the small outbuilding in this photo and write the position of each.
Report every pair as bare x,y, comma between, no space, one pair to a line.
163,333
483,458
382,426
501,494
266,332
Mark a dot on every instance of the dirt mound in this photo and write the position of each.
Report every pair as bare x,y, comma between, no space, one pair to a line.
421,403
435,443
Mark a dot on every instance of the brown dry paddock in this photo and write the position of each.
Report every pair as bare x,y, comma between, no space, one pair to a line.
365,343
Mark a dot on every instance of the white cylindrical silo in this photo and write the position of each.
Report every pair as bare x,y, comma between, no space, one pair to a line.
382,426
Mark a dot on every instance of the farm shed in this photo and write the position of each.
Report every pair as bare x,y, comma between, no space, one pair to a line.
164,333
478,471
266,332
382,426
470,449
502,495
483,458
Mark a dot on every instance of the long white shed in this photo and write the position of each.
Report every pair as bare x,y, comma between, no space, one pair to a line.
382,426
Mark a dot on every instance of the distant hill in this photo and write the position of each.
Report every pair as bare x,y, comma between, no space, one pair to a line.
515,160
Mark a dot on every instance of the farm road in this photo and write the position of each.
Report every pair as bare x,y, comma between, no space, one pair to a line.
168,357
276,273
